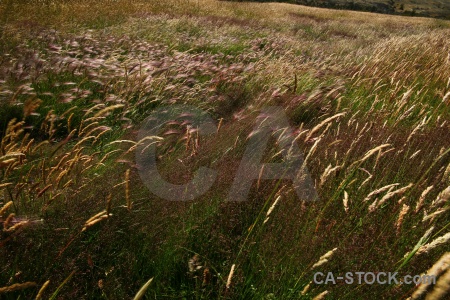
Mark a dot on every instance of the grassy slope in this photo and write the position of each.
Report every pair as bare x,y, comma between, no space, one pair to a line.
96,71
437,8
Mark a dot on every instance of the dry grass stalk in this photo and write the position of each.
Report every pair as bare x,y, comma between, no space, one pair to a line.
437,242
261,172
3,185
436,270
441,288
94,221
108,109
380,190
366,180
108,204
422,199
17,287
328,171
140,294
321,296
311,152
306,288
96,216
16,226
432,216
8,220
447,174
5,207
442,198
42,290
401,216
323,123
220,124
324,258
376,204
206,277
127,190
271,209
43,190
372,152
230,277
345,201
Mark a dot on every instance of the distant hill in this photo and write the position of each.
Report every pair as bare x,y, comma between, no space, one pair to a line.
425,8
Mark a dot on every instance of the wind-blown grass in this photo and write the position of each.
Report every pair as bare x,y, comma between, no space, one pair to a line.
368,102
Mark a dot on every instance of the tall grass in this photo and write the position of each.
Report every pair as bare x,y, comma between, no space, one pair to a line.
368,102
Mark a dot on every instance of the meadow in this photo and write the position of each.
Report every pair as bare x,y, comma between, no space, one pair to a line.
367,97
434,8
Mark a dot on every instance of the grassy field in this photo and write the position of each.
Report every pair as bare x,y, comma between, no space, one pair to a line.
432,8
367,97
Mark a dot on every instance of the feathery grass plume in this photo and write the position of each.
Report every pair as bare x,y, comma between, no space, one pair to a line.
127,190
8,220
17,287
321,296
433,215
328,171
311,152
401,216
377,203
60,176
138,143
93,222
5,207
345,201
271,209
415,154
108,204
372,152
102,128
3,185
261,172
86,128
41,192
17,226
306,288
95,219
446,99
437,242
107,155
220,124
441,288
436,270
380,190
194,264
42,290
140,294
108,109
324,259
206,277
323,123
447,174
442,198
422,199
230,276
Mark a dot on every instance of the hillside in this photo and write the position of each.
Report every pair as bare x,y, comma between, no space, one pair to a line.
222,150
434,8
